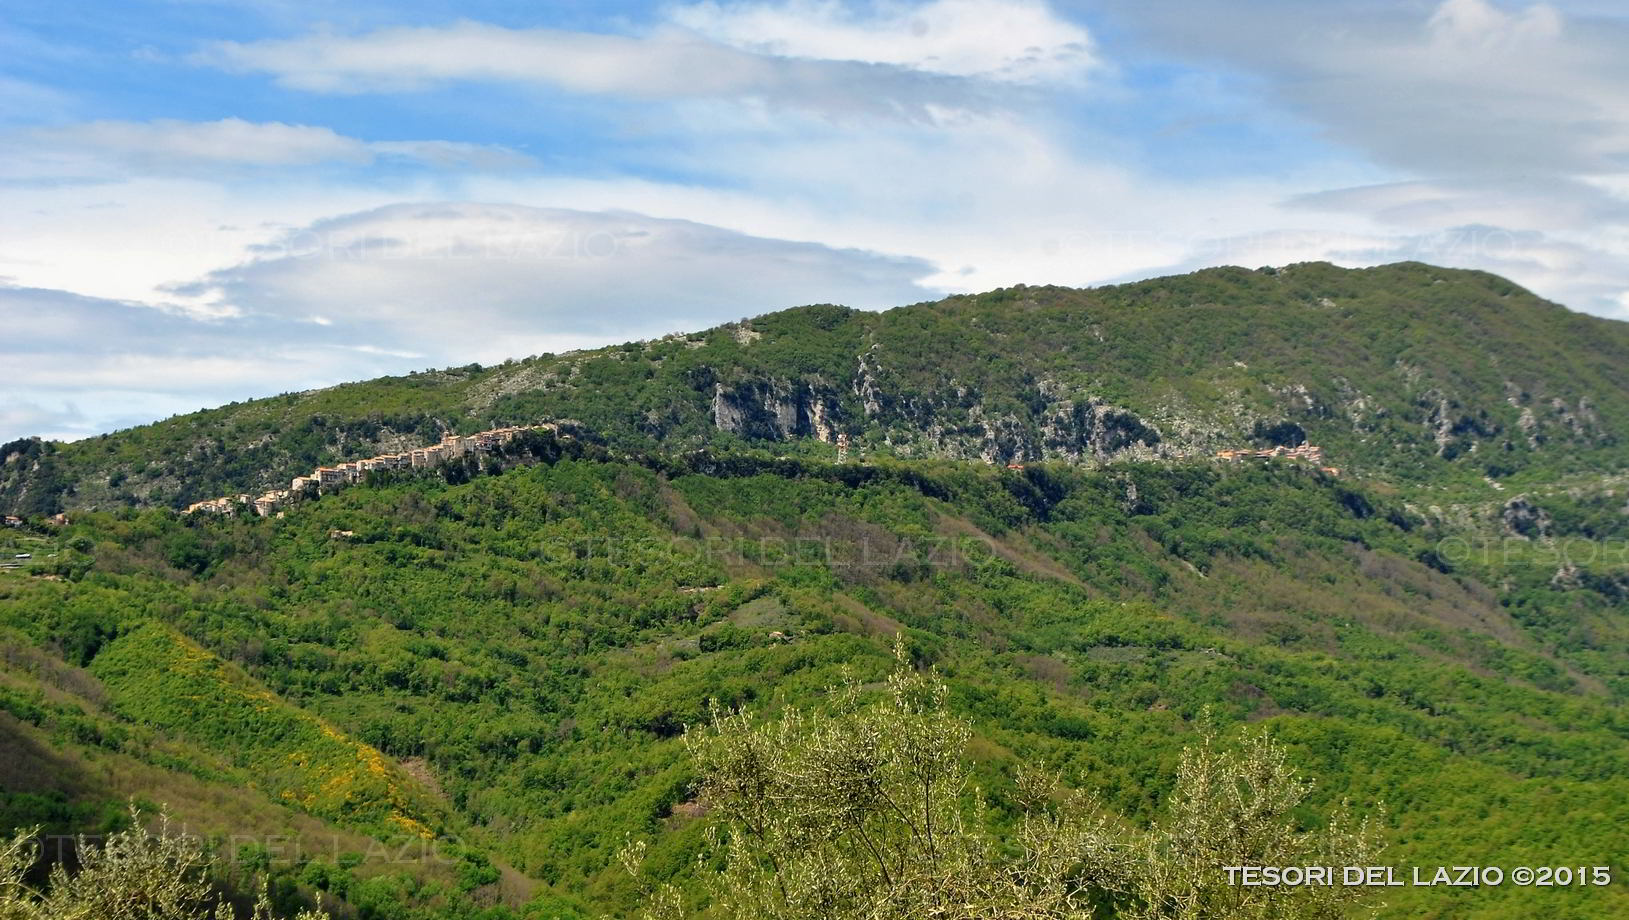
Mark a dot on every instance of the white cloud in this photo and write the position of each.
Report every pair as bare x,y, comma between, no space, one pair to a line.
412,58
669,64
492,281
405,286
1478,26
121,210
990,201
228,141
111,364
169,146
1499,134
126,240
1505,128
1470,88
455,154
1018,41
19,417
1547,204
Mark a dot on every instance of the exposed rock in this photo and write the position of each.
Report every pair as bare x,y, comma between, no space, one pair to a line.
1566,577
1005,440
1586,412
1455,432
1528,423
520,379
955,424
865,383
1297,397
1437,421
1093,430
1564,413
775,410
822,419
1581,423
1357,404
1522,518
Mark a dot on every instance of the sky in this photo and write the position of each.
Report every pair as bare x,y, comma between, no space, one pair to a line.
206,201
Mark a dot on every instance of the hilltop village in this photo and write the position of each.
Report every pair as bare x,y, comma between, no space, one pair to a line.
328,478
1307,452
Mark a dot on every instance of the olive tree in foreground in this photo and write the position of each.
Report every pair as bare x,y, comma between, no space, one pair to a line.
865,811
1231,807
132,876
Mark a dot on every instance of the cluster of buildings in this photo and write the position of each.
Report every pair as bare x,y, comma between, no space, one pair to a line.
328,478
453,447
226,504
55,520
1310,453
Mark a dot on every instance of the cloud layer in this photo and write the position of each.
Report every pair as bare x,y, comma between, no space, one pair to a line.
671,64
285,203
168,146
1470,89
1013,41
404,287
493,281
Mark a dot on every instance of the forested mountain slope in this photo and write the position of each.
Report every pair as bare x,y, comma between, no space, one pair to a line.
1407,373
511,660
458,692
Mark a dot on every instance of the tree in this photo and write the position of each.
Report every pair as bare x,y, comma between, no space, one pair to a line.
132,876
1232,808
864,811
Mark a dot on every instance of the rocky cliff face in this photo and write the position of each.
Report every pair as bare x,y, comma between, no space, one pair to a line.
957,425
1093,430
1051,421
777,410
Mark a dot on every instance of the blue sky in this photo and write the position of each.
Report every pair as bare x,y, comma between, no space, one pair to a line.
209,201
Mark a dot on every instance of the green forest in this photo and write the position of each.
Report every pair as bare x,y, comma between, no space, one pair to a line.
502,675
1027,650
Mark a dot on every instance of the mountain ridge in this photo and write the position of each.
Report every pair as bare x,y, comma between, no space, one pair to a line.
1405,372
